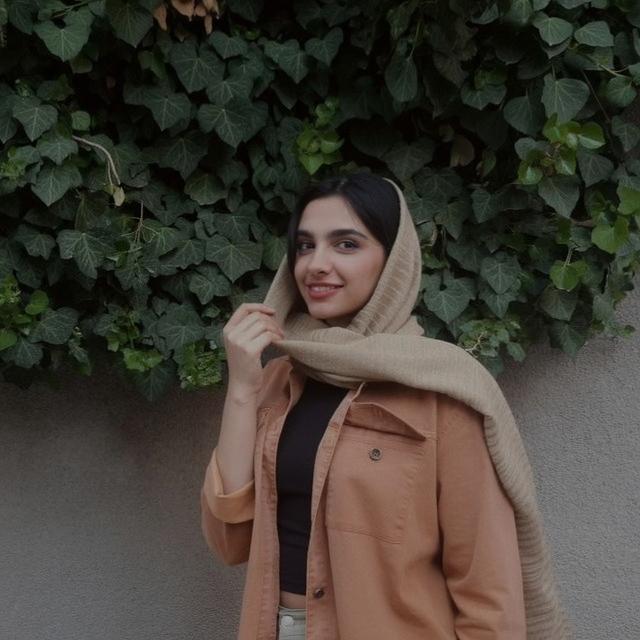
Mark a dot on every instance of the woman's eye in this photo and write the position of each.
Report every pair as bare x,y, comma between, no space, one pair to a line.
300,246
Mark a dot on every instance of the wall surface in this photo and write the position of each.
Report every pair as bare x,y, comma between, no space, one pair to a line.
99,500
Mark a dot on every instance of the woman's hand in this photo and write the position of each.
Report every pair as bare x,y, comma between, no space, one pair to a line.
247,333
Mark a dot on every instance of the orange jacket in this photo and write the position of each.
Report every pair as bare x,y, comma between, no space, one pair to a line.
412,535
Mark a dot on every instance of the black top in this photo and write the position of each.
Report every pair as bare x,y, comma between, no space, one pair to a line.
302,431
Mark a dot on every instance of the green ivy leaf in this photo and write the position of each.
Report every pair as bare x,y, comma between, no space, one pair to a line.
236,85
528,173
480,98
182,153
552,30
593,167
325,49
189,252
56,326
627,132
565,162
289,57
36,243
38,302
629,195
197,68
401,77
36,118
87,250
524,114
153,382
205,188
8,126
54,181
167,108
226,46
406,159
24,353
569,336
594,34
485,205
591,136
519,13
234,122
208,282
56,146
610,238
500,271
248,9
20,14
620,91
180,326
80,121
498,302
7,338
129,20
448,303
567,4
564,97
66,42
234,259
274,249
567,276
558,304
560,193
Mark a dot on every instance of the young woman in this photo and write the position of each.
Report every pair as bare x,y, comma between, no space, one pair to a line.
374,479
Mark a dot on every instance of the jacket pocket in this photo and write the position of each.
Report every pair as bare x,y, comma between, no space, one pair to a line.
371,482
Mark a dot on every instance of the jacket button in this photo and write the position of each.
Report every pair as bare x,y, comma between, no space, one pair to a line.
318,593
375,454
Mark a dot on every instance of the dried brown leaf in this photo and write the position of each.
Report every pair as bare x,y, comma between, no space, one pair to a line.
185,7
211,6
160,14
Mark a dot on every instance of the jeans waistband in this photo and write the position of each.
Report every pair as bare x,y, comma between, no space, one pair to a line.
296,614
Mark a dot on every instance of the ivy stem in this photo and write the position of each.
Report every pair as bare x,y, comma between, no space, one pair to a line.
136,235
77,5
613,72
595,95
472,348
415,38
111,166
567,260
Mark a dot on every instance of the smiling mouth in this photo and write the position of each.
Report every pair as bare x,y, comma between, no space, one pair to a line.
322,292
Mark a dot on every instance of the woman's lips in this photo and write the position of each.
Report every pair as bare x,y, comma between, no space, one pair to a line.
321,295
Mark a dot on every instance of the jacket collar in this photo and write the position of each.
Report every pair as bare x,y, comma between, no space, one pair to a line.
377,405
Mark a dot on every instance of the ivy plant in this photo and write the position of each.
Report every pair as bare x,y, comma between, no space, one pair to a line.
152,152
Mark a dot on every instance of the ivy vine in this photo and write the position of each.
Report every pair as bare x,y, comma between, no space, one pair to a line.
152,151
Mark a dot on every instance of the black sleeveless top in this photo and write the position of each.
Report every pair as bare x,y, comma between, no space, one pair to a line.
302,431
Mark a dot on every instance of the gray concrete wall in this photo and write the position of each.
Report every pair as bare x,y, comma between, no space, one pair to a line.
99,500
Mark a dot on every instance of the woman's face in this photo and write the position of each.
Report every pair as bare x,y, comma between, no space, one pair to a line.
333,246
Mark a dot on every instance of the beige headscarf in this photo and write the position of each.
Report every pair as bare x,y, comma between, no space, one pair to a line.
385,342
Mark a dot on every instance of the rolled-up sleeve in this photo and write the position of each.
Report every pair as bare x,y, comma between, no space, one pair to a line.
480,555
227,519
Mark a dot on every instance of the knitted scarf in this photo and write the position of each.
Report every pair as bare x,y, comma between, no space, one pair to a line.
385,342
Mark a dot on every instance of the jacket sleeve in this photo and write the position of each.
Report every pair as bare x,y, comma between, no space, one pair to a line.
480,554
227,519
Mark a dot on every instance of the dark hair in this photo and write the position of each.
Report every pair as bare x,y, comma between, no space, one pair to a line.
373,199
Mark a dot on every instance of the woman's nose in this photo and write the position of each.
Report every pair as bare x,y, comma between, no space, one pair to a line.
320,261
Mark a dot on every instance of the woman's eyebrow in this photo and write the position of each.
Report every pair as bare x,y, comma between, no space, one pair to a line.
332,234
